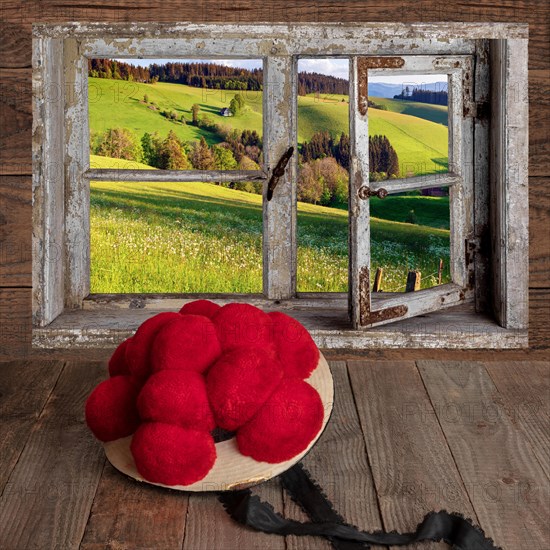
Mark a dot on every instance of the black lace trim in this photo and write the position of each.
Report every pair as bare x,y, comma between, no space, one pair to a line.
244,507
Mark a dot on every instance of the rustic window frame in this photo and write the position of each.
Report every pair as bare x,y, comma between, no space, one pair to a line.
63,313
373,309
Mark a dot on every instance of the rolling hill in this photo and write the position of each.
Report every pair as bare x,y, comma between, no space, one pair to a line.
421,144
435,113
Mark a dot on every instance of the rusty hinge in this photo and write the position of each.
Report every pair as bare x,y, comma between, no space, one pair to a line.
366,192
477,109
278,172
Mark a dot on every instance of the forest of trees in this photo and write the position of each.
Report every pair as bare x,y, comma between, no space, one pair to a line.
422,95
324,167
209,75
240,150
321,83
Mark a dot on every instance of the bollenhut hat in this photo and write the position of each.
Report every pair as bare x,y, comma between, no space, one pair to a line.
212,398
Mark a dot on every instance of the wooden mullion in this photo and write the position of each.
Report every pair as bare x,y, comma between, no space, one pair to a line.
170,176
359,209
417,182
279,214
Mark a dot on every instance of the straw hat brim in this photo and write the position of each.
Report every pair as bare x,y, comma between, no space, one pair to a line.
232,470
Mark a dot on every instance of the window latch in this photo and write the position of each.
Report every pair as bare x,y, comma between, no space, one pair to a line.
366,192
278,172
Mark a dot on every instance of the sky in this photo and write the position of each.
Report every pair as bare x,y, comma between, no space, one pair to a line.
329,66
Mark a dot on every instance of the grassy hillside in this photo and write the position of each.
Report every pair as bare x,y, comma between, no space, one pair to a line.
435,113
119,103
421,145
199,237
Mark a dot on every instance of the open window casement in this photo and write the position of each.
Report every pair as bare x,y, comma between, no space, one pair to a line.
486,301
369,308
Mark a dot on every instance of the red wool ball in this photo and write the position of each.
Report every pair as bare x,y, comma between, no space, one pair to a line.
111,411
239,383
176,397
172,455
117,362
138,350
200,307
241,325
294,345
189,342
285,425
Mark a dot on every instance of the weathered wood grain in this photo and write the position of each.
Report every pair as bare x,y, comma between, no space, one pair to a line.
76,158
18,14
539,232
47,499
16,331
509,214
24,389
15,323
455,328
170,176
412,466
539,122
505,483
209,526
133,515
15,121
279,214
524,390
339,463
48,214
15,231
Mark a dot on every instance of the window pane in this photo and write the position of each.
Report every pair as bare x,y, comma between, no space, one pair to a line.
408,125
323,142
175,237
177,114
410,233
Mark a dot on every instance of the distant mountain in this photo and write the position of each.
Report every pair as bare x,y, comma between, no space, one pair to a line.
383,89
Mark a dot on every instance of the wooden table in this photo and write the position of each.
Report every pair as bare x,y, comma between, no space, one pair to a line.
405,437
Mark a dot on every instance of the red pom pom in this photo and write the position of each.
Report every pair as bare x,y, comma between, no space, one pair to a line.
243,325
111,411
285,425
239,383
172,455
295,347
117,362
186,343
176,397
138,349
200,307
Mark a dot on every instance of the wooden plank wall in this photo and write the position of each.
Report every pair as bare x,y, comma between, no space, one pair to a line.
16,17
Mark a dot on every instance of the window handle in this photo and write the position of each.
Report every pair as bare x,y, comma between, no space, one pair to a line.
366,192
278,172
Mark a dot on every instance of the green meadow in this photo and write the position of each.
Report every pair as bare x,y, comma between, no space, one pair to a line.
199,237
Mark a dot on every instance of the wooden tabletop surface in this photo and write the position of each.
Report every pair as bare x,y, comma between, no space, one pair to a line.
404,438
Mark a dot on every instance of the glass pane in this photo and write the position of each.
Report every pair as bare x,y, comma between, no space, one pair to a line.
410,239
175,237
408,125
176,114
323,142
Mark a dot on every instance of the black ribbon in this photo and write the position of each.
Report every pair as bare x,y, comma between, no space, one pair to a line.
247,509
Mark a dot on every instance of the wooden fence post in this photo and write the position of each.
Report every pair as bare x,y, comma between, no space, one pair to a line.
377,286
413,281
440,271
